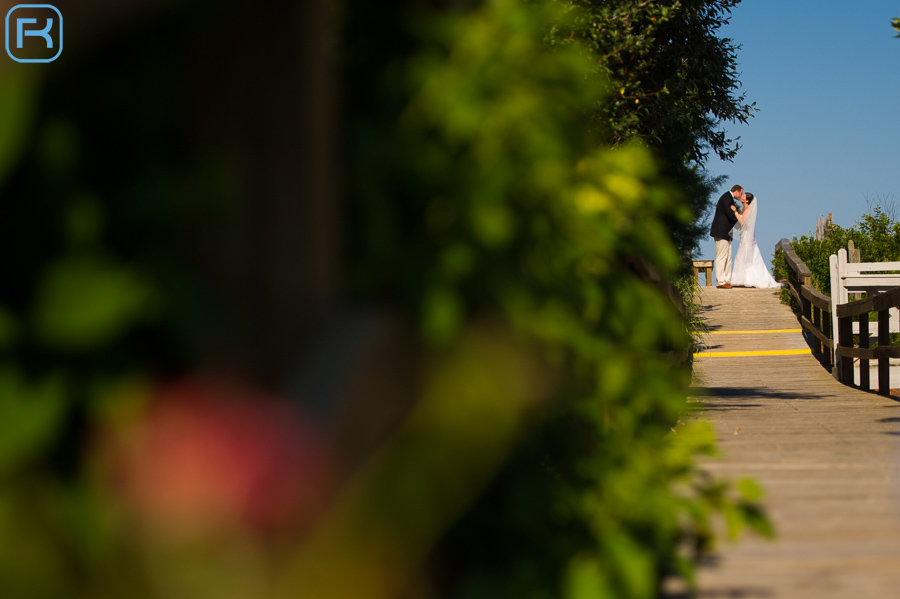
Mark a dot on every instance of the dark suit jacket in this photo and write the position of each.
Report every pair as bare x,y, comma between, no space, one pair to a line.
724,218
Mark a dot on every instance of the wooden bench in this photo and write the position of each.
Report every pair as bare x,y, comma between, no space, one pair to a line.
708,266
852,278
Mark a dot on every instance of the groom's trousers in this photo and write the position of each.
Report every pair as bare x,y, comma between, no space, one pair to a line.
723,261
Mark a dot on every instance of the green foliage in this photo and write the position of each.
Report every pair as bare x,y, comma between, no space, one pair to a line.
698,188
675,79
86,302
486,196
475,192
688,289
31,414
94,292
675,84
16,112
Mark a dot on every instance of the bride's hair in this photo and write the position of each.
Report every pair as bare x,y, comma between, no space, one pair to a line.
749,198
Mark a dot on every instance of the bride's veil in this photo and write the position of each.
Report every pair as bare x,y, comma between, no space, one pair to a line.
749,268
749,226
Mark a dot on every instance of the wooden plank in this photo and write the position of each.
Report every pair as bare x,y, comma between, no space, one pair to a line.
825,454
829,332
853,254
816,332
884,343
806,310
863,282
795,294
706,265
816,298
884,301
836,293
858,267
845,342
864,381
821,339
869,353
794,262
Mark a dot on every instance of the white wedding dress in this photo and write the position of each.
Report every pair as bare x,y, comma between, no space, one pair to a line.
749,268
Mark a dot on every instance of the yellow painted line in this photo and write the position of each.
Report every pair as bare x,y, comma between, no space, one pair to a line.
732,354
755,332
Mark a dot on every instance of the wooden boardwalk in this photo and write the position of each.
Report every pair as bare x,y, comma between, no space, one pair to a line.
826,454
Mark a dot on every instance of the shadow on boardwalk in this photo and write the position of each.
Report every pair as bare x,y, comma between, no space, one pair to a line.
755,392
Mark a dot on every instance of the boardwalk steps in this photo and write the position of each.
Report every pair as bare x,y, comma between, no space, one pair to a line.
827,455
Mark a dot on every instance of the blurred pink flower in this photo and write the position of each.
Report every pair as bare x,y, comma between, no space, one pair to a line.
214,457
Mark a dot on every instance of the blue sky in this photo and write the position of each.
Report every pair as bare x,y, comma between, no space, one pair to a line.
826,80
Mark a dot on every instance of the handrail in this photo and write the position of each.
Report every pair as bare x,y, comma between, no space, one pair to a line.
816,298
876,303
815,306
795,264
860,310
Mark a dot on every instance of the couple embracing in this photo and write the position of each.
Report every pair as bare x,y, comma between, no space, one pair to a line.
749,268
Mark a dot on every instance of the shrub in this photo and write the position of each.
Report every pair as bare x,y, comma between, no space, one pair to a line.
875,235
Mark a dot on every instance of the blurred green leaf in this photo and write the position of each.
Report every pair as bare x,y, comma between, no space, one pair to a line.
493,224
750,490
31,414
586,580
86,302
759,521
18,104
9,329
734,519
442,315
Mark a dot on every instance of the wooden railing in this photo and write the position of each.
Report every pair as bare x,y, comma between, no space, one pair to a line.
846,348
815,306
816,316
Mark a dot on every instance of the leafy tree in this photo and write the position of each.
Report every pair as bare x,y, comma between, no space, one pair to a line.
675,79
675,82
479,191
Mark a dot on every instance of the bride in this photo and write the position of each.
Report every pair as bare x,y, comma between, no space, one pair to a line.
749,268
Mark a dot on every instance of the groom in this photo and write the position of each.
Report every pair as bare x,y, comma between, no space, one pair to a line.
723,221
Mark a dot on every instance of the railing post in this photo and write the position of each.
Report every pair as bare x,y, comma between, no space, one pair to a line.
806,308
884,362
852,253
864,379
845,334
835,300
818,346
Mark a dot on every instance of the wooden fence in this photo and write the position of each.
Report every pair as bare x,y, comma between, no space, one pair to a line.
819,314
815,306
